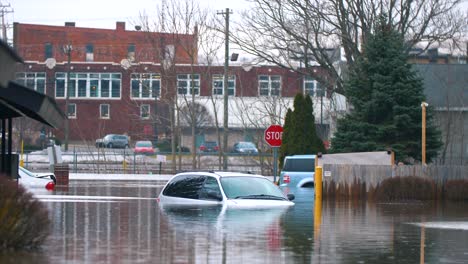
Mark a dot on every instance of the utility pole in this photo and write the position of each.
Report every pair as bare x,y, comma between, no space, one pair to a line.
5,9
225,86
67,49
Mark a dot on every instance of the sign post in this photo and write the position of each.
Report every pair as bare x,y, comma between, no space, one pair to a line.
273,136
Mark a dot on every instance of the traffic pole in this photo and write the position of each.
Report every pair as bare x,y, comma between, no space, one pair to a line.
275,163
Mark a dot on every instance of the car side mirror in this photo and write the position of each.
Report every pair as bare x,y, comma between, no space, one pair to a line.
291,196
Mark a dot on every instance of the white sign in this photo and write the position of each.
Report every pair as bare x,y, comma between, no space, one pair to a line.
327,174
161,158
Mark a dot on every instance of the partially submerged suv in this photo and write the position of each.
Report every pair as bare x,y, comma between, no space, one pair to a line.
298,171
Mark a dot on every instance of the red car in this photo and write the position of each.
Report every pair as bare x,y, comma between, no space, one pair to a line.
144,147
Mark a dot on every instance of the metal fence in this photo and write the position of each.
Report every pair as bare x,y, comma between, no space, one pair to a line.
125,161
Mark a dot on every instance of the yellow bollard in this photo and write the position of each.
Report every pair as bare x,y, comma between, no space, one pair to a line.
318,183
21,159
318,203
124,164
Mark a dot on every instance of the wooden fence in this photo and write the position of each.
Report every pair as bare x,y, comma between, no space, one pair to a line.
359,180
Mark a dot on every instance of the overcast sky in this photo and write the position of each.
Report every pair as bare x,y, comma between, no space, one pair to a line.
97,13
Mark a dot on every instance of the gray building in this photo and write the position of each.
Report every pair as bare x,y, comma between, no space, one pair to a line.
446,89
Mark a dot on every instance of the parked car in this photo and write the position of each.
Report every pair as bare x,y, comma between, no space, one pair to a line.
113,141
209,146
245,148
29,179
298,171
233,189
144,147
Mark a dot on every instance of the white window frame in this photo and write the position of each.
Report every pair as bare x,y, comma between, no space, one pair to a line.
24,77
141,78
218,85
112,78
101,116
187,78
141,111
71,116
316,91
270,81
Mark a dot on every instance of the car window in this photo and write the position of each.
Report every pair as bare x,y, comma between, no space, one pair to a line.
185,186
210,190
245,186
299,165
144,144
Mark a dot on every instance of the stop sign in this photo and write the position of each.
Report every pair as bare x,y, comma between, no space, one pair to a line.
273,135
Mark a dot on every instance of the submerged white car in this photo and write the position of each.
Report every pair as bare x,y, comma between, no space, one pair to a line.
40,180
233,189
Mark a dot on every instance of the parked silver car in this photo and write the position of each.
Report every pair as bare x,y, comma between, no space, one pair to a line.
113,141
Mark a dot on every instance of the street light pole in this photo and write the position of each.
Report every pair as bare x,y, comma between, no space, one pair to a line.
67,49
423,141
225,87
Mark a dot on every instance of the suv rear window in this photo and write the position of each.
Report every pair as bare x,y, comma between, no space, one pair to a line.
299,165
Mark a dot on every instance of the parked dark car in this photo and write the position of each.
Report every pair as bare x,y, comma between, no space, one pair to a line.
113,141
245,147
209,146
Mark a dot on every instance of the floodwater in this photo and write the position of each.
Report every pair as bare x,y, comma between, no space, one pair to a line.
121,222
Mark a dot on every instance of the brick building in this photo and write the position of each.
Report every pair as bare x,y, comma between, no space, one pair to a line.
127,81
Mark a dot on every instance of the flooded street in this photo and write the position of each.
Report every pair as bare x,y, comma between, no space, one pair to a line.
121,222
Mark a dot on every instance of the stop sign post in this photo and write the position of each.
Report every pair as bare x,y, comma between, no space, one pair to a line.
273,136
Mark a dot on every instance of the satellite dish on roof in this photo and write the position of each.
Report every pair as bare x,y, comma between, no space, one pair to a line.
50,63
125,63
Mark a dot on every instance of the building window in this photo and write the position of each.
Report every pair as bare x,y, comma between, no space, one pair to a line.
71,110
49,52
88,85
33,80
218,84
89,52
188,82
131,52
145,111
269,85
145,85
312,87
104,111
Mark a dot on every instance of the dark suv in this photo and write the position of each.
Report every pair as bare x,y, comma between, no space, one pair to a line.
209,146
113,141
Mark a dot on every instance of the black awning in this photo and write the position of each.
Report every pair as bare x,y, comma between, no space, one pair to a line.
17,100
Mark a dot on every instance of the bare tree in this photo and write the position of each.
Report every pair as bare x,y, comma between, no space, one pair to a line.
316,31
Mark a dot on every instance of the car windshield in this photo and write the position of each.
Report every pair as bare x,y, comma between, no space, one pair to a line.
146,144
210,144
244,187
299,165
246,145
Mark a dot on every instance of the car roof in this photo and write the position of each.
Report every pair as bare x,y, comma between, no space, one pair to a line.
221,174
300,157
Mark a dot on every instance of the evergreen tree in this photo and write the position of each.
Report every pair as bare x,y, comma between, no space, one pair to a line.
386,97
285,142
299,133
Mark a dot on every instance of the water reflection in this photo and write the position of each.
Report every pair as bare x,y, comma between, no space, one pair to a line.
120,222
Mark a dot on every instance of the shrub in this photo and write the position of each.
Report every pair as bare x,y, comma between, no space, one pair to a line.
406,188
456,190
24,222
